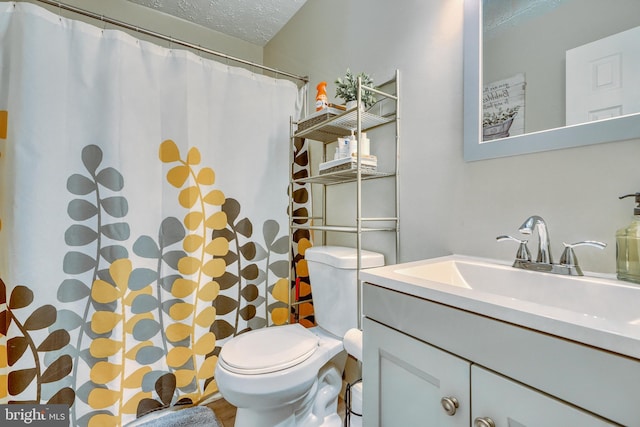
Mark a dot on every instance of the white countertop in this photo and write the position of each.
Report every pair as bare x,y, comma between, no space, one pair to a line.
596,310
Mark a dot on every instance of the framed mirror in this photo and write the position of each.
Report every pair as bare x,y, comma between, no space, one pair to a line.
535,137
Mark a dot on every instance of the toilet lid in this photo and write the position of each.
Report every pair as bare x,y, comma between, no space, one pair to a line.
268,349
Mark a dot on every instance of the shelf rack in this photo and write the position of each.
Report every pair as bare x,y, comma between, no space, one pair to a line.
326,127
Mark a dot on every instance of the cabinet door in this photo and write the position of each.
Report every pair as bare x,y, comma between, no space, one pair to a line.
405,380
511,404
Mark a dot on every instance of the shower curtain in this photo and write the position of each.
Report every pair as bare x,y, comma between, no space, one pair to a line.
143,216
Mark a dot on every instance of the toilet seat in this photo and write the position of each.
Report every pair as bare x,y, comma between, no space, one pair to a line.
268,350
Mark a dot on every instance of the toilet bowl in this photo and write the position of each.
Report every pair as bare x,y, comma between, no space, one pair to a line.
289,375
278,390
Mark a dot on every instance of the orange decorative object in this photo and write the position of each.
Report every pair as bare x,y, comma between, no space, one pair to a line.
321,98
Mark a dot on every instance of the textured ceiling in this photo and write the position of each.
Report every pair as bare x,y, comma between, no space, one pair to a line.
255,21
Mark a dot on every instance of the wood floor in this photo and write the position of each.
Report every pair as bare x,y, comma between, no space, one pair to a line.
226,412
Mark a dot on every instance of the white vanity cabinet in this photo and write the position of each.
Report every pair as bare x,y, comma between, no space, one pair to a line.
411,381
417,352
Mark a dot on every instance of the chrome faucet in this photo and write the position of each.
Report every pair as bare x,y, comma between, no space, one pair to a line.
544,262
536,222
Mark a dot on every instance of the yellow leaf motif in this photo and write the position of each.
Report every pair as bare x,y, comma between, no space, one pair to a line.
135,380
207,368
303,245
104,420
131,407
188,266
212,388
206,317
205,344
281,290
178,331
209,292
279,316
181,310
169,152
217,221
214,268
4,386
184,377
192,242
178,356
183,288
178,175
193,157
131,354
188,197
206,176
215,197
218,247
104,372
104,347
192,220
104,321
302,268
104,292
100,398
120,271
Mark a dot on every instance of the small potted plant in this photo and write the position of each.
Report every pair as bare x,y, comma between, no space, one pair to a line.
496,125
347,89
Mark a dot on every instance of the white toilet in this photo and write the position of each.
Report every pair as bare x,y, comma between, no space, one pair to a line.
290,375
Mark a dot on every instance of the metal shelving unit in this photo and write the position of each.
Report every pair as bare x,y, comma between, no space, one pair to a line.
325,129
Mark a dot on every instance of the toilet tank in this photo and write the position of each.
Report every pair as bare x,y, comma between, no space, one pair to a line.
333,277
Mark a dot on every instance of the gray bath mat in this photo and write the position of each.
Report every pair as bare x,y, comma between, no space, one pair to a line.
194,416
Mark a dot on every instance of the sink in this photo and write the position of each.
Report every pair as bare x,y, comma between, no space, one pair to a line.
596,297
596,310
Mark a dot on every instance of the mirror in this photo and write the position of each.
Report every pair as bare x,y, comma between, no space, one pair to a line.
539,133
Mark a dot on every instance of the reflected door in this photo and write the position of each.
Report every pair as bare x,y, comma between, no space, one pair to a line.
603,78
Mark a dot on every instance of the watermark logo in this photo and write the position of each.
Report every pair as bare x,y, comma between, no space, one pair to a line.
34,415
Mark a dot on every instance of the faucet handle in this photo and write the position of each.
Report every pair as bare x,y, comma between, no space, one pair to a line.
569,257
523,253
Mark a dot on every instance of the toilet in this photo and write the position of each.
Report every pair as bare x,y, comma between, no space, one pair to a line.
291,375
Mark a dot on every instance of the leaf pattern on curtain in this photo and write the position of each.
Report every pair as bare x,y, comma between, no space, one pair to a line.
136,320
301,239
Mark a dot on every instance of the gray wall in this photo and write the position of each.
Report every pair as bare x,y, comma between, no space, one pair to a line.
447,205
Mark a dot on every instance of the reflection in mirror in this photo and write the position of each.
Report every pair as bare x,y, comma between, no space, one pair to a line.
531,67
546,49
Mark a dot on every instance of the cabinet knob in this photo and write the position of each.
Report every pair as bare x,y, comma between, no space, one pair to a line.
450,405
483,422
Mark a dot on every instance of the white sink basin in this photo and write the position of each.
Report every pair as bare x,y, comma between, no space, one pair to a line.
594,310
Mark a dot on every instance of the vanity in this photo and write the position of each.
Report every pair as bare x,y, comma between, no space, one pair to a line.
464,341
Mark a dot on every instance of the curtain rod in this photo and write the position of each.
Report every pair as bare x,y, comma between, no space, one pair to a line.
168,39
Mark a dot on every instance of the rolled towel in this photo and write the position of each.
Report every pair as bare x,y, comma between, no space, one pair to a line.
353,343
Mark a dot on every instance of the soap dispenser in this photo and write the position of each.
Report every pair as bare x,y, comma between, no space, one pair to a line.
628,246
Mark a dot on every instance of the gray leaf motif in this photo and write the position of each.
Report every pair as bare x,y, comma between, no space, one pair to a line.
80,185
146,247
270,230
171,231
91,158
77,263
79,235
111,179
118,231
117,206
81,210
72,290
